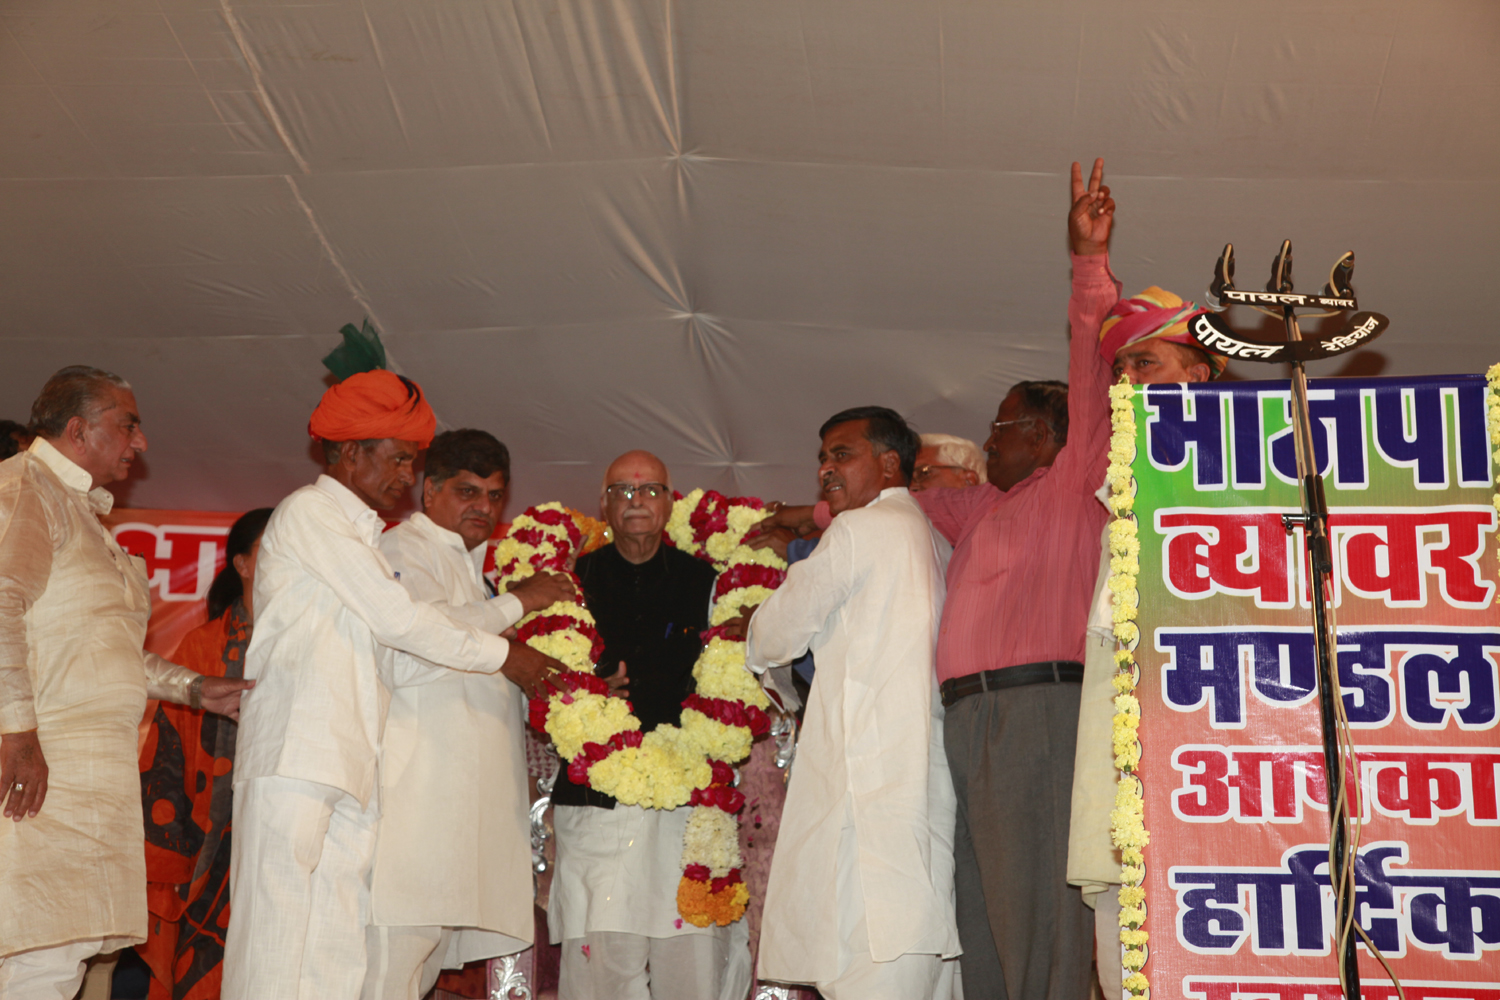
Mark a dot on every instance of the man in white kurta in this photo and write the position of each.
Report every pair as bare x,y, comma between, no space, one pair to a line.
328,610
860,900
452,875
73,687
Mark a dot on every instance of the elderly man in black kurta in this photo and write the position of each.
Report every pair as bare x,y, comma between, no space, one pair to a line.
613,903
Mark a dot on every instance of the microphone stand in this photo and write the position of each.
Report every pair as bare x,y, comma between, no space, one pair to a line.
1214,334
1314,523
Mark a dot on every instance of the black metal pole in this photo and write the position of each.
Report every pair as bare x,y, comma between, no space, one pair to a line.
1319,554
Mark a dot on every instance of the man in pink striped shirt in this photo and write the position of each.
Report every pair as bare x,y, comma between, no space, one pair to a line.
1011,646
1010,650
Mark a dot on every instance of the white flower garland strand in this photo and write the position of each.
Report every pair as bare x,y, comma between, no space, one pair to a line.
1128,819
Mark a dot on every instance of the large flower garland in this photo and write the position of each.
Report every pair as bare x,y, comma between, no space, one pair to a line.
1494,377
600,737
1128,820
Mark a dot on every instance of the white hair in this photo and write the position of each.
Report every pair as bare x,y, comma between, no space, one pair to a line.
952,450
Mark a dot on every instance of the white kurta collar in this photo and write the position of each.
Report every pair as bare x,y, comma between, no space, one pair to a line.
359,513
73,475
440,535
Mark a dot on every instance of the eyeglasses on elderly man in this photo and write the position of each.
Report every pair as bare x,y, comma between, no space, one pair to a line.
627,492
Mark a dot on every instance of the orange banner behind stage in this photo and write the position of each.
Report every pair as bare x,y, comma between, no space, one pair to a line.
183,549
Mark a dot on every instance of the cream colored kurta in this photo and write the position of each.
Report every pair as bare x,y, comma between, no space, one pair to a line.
73,612
454,848
1093,862
867,602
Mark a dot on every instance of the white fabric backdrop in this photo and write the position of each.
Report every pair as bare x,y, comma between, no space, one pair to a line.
697,226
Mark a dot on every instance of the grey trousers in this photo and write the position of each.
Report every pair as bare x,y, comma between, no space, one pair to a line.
1025,932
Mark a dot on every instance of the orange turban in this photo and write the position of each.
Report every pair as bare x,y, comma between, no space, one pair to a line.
1154,314
373,405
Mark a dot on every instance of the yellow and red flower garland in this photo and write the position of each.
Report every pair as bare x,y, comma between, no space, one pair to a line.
712,527
600,738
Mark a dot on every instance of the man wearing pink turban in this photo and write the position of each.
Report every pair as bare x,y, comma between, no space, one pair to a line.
1145,339
328,614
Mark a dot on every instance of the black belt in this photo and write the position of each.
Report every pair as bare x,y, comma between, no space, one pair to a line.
1050,672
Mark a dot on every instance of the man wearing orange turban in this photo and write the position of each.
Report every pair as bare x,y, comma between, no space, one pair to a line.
328,614
373,405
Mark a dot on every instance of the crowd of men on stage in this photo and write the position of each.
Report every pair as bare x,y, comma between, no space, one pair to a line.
947,808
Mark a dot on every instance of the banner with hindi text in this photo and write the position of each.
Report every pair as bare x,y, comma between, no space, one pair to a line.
1237,891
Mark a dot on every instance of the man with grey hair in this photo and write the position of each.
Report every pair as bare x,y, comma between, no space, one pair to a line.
74,680
947,461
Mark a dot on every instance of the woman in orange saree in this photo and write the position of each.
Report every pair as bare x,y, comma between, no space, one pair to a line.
187,769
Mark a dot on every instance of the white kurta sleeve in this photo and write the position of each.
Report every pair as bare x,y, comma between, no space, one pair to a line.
26,546
419,577
332,551
416,561
494,615
784,625
507,608
168,681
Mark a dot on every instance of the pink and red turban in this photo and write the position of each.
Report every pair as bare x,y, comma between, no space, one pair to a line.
371,406
1154,314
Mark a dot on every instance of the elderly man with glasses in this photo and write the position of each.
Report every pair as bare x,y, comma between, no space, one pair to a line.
947,461
613,902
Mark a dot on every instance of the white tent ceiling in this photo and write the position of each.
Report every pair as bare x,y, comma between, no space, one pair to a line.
697,226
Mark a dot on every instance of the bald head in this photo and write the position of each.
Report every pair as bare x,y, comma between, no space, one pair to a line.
636,467
637,519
